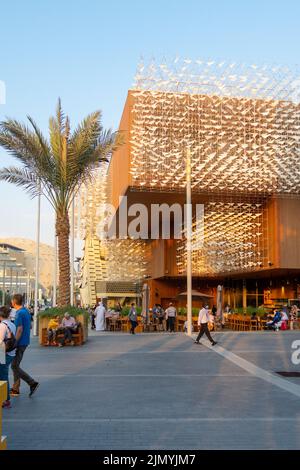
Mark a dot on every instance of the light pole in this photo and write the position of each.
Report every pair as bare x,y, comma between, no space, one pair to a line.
17,282
11,280
28,290
189,241
72,249
37,262
3,283
54,272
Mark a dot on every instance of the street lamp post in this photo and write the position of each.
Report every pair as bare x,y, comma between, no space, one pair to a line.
3,283
54,272
189,241
37,263
17,282
27,290
72,249
11,280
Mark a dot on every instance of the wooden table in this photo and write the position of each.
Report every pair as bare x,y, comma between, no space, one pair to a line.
113,323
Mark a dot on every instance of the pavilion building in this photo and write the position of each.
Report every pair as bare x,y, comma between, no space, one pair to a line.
241,125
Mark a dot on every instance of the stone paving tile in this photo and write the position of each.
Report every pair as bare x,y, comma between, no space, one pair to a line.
134,435
197,399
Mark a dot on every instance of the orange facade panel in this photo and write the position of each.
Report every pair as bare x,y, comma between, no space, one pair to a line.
119,170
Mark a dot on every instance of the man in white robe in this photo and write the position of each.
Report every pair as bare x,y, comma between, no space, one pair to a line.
100,317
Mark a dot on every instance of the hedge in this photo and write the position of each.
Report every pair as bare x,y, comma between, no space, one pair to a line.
73,311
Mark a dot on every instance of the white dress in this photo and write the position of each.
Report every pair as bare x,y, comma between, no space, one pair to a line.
100,318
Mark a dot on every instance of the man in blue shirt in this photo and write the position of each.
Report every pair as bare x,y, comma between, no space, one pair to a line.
22,323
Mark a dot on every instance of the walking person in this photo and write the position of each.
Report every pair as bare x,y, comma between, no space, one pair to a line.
100,317
92,317
133,317
22,323
8,342
171,313
203,320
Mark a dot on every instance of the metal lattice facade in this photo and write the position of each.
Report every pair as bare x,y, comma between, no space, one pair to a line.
242,126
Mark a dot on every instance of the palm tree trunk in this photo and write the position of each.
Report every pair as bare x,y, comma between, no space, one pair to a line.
62,228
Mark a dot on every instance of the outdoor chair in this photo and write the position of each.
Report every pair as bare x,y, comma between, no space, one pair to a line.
236,323
180,325
254,325
124,324
112,324
230,321
246,323
262,324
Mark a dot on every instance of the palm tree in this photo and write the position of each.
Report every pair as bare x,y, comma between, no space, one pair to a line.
56,168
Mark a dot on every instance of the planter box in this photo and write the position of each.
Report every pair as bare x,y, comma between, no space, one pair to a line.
3,396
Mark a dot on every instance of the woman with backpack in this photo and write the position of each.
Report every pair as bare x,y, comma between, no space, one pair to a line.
8,344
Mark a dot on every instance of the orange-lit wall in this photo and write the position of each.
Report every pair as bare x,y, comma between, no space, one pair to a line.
284,232
120,163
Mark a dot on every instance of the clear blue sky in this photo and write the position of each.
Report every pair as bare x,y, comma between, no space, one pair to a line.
86,52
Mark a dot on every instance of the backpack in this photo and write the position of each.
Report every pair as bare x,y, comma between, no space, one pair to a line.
11,342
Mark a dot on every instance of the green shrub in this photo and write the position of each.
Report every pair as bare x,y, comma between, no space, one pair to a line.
182,311
260,311
125,311
73,311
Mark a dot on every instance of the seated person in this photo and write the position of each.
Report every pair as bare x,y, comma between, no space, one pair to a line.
150,315
108,313
68,326
185,327
273,324
144,317
284,321
253,316
52,329
155,313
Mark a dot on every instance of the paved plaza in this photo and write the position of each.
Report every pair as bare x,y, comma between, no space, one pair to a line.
160,391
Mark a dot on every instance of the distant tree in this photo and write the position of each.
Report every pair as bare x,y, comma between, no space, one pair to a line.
57,168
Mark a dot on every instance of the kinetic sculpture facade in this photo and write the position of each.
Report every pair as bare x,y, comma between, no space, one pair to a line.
242,126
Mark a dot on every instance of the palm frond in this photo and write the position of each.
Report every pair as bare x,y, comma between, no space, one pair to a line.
82,145
64,162
21,177
19,141
108,142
